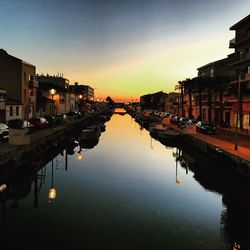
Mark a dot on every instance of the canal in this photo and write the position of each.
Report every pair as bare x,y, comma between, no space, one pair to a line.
128,191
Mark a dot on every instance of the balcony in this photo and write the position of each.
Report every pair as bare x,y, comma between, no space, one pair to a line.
232,43
241,58
241,38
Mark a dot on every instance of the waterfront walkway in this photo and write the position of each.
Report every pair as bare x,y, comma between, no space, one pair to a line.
224,139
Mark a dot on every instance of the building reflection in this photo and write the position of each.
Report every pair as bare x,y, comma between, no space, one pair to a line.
233,188
30,175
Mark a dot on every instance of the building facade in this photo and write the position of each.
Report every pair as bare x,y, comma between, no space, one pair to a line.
17,77
241,66
57,102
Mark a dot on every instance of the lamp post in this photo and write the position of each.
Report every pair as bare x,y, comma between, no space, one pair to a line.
52,92
237,114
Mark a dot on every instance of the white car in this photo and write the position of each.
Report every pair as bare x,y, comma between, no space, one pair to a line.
4,132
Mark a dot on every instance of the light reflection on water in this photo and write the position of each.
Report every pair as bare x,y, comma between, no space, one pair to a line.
128,192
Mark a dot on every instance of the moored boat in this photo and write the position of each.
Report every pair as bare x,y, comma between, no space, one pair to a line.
91,132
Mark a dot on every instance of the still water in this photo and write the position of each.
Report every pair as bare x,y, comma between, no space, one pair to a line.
127,192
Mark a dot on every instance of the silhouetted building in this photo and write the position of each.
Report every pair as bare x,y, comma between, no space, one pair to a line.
241,65
17,77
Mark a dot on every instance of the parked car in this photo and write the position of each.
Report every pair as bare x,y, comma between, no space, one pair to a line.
4,132
74,115
51,120
192,121
39,122
205,127
182,122
28,125
60,118
175,119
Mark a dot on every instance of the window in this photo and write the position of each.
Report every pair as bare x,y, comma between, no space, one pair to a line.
17,111
11,111
211,72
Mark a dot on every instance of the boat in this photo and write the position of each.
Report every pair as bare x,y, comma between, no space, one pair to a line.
91,132
169,133
88,143
155,128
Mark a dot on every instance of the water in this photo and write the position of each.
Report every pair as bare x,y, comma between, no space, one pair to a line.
127,192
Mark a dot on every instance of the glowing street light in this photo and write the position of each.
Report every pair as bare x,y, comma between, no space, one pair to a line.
79,155
52,92
52,191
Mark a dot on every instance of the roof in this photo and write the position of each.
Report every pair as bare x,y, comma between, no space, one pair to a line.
241,22
28,63
211,63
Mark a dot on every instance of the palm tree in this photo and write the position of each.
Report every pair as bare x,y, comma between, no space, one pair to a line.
198,88
181,87
189,87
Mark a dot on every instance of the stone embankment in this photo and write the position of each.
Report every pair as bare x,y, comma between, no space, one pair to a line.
217,147
44,139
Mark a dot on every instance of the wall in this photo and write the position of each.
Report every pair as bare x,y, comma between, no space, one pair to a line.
14,116
10,75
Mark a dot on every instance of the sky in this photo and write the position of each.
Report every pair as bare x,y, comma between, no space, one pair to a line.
123,49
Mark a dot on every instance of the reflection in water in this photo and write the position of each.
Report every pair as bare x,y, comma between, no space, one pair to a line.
52,191
125,197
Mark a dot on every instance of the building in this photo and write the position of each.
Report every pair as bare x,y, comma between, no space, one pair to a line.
54,95
86,91
2,105
17,77
241,66
155,101
172,103
214,84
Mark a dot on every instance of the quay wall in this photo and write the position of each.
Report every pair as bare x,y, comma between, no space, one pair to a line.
44,139
237,163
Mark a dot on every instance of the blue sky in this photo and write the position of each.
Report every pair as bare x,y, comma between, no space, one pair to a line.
122,48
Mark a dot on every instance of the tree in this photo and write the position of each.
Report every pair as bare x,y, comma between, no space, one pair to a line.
189,87
181,87
110,101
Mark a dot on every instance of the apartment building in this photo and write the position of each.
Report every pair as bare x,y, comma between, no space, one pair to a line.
55,93
86,91
2,105
241,66
214,84
17,77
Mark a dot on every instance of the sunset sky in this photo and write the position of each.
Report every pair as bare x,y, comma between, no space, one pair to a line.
121,48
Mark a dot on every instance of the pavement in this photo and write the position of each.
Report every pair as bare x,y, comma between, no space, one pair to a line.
225,140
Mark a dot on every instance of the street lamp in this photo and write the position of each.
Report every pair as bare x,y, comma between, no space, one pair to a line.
52,92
